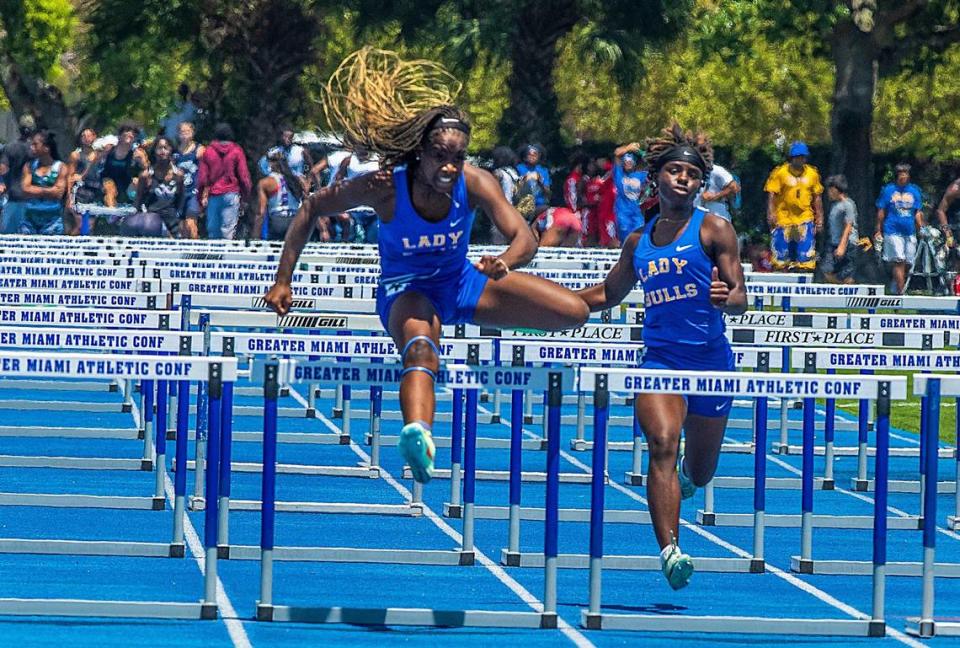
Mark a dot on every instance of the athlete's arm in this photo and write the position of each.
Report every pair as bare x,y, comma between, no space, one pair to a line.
728,291
142,183
374,189
618,283
484,191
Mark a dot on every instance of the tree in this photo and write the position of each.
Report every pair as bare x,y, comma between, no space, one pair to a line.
34,34
246,57
865,40
525,34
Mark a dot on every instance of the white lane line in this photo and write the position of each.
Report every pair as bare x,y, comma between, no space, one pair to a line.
786,576
227,612
569,631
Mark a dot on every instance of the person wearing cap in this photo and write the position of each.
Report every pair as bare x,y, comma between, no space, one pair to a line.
630,183
15,156
794,211
535,175
899,217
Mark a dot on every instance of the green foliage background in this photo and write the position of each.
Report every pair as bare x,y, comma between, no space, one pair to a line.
727,75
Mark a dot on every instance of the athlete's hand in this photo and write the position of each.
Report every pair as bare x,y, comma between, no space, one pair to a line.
279,298
493,267
719,290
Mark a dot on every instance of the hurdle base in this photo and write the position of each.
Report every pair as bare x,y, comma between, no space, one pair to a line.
706,519
527,420
828,484
877,628
953,522
171,435
113,387
208,611
159,503
731,625
223,552
634,479
452,510
146,465
922,628
510,558
126,408
859,485
284,391
310,413
468,558
424,617
264,612
758,566
336,413
196,503
178,550
801,565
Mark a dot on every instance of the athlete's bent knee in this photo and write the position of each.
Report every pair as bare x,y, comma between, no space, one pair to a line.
662,445
421,353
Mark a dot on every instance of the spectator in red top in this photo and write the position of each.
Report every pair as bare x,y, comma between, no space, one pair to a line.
606,218
223,182
573,185
591,203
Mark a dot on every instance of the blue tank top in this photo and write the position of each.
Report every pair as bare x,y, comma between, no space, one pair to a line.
676,288
413,246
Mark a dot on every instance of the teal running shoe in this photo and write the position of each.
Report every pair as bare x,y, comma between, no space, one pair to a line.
687,488
417,448
677,567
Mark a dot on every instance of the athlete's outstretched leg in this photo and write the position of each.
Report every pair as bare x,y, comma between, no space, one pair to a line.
660,417
524,301
415,328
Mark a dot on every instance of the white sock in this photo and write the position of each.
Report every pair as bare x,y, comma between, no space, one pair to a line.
665,552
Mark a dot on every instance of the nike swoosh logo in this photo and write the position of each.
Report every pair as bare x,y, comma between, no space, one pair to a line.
681,248
718,407
454,223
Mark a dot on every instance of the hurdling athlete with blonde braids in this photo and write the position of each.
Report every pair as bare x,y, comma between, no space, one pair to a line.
424,195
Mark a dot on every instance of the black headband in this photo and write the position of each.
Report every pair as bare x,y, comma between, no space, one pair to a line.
682,153
440,123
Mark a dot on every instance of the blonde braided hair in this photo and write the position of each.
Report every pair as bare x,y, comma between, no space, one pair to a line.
385,105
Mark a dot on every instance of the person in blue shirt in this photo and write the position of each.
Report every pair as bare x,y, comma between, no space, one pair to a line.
899,217
687,261
631,183
536,176
424,194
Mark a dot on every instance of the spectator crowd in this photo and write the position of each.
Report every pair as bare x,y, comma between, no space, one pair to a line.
172,185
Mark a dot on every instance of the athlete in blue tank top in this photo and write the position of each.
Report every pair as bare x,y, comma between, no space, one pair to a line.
687,262
424,196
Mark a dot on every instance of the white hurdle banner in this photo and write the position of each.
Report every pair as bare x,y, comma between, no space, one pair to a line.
64,316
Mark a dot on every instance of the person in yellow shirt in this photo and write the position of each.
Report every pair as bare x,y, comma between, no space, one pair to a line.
794,211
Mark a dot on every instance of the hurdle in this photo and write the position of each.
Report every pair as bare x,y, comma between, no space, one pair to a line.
468,378
932,387
258,345
761,386
216,372
880,359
